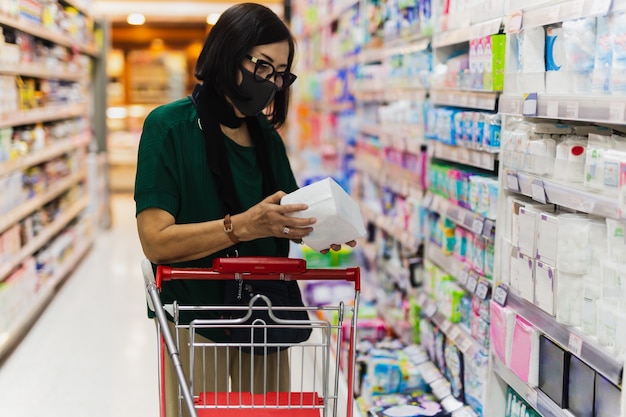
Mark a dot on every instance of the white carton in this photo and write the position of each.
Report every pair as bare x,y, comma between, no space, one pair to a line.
338,216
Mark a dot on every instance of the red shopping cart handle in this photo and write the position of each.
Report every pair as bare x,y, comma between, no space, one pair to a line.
259,268
260,264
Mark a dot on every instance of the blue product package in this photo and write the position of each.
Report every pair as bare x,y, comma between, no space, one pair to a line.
554,48
601,78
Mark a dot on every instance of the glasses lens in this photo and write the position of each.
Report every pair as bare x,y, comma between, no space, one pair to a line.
263,70
286,79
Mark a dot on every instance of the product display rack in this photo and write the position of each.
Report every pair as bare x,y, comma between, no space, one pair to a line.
62,240
453,32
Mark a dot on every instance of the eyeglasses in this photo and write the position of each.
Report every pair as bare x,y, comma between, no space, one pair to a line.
263,70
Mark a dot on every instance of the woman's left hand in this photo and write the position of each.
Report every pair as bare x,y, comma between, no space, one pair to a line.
337,247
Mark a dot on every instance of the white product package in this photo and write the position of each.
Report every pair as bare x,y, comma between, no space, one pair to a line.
338,216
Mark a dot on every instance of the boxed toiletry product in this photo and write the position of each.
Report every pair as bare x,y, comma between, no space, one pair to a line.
501,331
546,283
495,48
547,234
524,360
580,388
607,398
553,371
526,276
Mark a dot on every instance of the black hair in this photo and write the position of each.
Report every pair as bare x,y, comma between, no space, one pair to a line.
239,29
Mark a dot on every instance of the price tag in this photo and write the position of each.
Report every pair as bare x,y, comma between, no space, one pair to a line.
454,333
477,225
428,200
466,345
616,112
463,277
472,283
600,7
421,299
515,22
430,310
571,110
512,181
482,289
575,344
445,326
463,412
500,294
554,13
538,192
552,109
576,9
530,104
532,398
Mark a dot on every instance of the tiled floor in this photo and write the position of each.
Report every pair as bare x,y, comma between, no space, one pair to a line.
93,351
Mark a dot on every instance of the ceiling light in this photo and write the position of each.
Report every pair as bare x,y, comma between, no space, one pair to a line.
136,19
212,18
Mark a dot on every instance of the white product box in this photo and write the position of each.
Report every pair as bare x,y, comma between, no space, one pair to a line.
546,281
526,276
547,235
527,225
338,216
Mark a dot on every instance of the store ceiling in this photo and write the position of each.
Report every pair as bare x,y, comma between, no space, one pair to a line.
168,11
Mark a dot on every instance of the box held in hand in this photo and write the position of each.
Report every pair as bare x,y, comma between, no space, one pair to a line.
338,216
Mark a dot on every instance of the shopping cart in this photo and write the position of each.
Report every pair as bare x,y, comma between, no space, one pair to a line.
316,392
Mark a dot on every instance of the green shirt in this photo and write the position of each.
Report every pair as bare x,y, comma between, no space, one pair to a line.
173,174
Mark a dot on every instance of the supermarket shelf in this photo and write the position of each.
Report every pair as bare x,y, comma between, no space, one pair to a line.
47,34
406,45
43,237
554,12
400,180
587,108
469,279
24,209
40,71
478,158
571,339
46,114
11,337
461,216
535,397
454,332
405,237
479,100
561,194
50,152
465,34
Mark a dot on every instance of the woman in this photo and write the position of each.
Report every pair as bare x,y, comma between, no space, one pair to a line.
212,169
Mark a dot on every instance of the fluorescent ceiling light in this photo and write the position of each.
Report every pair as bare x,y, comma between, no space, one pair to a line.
136,19
212,18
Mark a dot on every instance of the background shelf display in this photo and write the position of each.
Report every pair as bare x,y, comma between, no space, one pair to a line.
478,100
461,216
561,194
574,341
484,159
535,397
454,332
588,108
46,227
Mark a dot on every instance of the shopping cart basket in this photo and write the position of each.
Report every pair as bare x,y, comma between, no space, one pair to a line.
316,392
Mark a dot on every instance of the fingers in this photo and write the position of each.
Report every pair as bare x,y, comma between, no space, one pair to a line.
337,247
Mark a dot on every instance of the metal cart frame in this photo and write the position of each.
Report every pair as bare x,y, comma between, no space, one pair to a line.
317,399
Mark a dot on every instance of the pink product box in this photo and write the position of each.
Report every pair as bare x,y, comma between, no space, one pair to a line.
524,359
320,293
367,329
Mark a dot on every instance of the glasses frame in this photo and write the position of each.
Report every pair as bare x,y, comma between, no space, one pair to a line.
287,77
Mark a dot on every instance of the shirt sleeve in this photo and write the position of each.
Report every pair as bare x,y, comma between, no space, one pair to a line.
156,180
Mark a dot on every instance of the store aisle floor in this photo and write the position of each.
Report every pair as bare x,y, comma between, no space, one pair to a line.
93,351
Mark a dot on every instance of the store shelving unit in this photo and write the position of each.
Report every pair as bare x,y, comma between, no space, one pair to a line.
74,215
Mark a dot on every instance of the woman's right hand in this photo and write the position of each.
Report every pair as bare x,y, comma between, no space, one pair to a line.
270,218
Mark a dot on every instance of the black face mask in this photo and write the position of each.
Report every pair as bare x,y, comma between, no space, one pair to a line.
261,93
